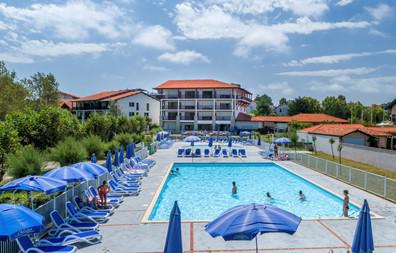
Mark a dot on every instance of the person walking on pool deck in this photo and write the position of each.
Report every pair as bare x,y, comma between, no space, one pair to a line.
276,151
345,207
234,188
103,190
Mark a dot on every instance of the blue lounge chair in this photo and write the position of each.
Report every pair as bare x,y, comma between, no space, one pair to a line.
27,246
111,199
188,152
150,162
59,225
216,153
267,154
242,153
117,189
126,181
197,152
234,152
78,216
206,152
224,152
180,152
89,209
139,165
68,237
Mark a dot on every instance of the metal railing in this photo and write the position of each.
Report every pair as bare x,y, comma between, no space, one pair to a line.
377,184
59,203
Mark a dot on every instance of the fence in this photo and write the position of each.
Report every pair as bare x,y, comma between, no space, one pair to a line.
379,185
58,203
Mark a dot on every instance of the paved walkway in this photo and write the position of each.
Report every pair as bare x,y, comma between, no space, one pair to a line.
125,233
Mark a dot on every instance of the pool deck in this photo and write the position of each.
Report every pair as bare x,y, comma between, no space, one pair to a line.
125,232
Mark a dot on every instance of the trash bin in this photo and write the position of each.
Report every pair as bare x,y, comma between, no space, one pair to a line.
151,149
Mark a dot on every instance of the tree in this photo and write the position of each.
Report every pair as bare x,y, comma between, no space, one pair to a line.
331,141
43,88
336,106
304,105
294,140
13,96
339,149
264,105
283,101
355,111
114,110
25,161
104,126
9,142
314,143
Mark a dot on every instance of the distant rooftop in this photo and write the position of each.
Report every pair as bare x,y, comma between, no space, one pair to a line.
110,95
341,130
302,117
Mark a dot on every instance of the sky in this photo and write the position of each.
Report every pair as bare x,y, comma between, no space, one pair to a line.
283,48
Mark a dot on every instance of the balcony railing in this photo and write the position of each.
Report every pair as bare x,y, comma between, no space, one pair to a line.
197,96
187,107
169,118
223,107
224,118
170,107
187,118
205,118
205,107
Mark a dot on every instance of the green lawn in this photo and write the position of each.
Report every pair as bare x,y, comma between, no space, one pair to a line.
358,165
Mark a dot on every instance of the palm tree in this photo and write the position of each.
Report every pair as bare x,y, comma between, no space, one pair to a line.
331,141
339,148
314,143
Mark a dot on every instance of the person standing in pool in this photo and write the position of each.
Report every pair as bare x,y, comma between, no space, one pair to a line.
301,195
234,188
269,197
345,206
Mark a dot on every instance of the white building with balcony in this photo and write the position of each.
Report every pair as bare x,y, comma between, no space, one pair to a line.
201,104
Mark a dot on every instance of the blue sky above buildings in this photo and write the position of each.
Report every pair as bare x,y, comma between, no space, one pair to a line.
285,48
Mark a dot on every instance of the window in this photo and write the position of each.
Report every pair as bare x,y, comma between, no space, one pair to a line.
131,114
146,114
147,107
131,104
137,106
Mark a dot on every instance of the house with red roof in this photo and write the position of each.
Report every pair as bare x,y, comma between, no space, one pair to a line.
130,102
201,104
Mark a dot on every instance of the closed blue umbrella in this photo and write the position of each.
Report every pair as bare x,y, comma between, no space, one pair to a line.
93,158
132,149
109,163
245,222
116,158
43,184
259,141
94,169
229,142
128,151
282,141
174,238
69,174
363,240
210,144
250,135
122,154
158,137
17,221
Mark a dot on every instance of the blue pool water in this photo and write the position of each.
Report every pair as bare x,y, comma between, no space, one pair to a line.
203,191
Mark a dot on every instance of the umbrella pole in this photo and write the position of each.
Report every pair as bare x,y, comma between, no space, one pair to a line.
256,245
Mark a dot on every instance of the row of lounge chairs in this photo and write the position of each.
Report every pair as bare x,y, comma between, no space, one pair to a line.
188,152
83,219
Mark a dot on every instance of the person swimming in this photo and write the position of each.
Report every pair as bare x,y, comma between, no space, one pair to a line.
234,188
301,195
269,197
177,170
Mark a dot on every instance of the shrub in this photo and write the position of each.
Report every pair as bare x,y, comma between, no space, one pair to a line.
94,145
124,139
25,161
112,145
68,152
148,139
21,198
8,143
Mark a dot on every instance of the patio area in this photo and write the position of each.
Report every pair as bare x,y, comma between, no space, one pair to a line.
125,231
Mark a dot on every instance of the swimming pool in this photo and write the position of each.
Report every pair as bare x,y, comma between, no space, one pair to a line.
203,191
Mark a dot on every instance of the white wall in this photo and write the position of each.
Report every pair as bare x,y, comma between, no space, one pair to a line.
247,125
142,99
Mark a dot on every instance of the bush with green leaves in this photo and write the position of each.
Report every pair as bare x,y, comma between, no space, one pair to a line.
94,145
104,126
68,152
124,138
25,161
112,145
9,141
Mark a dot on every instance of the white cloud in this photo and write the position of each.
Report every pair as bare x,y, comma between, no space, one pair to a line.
328,87
70,20
15,58
183,57
155,68
329,72
219,21
344,2
332,59
156,37
282,88
380,12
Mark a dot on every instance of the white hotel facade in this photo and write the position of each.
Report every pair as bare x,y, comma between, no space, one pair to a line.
201,104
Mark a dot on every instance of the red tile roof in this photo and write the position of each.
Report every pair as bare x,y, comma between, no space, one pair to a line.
341,130
386,130
197,84
66,103
110,95
62,93
243,117
123,95
284,119
317,118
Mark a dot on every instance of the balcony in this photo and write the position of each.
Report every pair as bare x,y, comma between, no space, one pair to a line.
223,118
169,117
170,107
224,96
205,107
187,107
205,118
187,118
223,107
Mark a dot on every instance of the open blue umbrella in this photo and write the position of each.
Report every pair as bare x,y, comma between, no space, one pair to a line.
93,168
244,133
282,141
93,158
43,184
116,159
192,138
245,222
363,240
69,174
17,221
109,163
229,142
122,154
174,238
